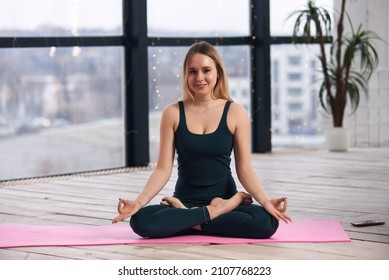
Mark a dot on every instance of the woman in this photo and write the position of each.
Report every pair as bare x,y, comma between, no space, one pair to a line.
204,127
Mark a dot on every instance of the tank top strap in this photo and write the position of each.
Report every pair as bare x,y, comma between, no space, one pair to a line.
226,107
182,120
225,112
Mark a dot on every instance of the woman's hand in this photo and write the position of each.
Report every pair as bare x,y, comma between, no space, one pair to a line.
126,208
277,207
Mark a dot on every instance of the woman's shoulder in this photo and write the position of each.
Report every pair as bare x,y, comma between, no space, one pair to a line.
237,109
171,107
237,117
171,111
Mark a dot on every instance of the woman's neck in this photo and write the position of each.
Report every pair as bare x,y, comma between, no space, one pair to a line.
202,105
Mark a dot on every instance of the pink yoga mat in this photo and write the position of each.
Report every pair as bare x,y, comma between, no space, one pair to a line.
31,236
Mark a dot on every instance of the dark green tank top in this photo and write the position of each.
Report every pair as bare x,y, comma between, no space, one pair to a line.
204,159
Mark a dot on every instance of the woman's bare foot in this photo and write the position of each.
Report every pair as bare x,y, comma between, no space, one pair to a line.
219,206
173,202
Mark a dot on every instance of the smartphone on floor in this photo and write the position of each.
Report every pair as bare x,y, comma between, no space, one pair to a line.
367,223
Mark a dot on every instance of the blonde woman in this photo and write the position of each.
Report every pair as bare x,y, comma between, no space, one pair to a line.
204,128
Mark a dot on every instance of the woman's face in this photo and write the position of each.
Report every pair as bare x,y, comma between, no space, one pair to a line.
202,74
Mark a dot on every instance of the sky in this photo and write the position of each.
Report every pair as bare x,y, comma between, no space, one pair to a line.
180,15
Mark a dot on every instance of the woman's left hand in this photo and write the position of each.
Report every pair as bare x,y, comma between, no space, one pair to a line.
277,207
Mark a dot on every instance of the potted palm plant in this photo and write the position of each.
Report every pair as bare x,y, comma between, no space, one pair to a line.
348,68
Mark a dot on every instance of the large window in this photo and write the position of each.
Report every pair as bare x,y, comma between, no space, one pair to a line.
61,108
295,77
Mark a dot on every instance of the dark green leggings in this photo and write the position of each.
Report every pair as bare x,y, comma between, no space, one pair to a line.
246,221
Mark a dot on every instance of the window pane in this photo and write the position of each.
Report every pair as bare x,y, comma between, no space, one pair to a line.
281,9
61,110
296,121
165,81
188,18
39,18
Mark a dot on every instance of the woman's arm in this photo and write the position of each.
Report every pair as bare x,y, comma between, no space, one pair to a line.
161,174
239,125
163,170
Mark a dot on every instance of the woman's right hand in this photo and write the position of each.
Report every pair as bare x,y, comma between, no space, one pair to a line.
126,208
277,207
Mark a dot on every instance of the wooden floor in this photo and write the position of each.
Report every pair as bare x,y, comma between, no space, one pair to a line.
319,185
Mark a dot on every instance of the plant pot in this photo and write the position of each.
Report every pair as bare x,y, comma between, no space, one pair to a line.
337,139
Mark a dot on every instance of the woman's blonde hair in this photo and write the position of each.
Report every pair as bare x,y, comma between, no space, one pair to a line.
221,88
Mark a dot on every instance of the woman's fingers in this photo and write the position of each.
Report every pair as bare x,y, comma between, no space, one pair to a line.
284,217
117,219
283,204
120,218
120,206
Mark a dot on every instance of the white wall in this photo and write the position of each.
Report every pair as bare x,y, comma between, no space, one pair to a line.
370,125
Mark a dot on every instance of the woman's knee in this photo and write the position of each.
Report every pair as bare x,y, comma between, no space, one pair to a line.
142,224
137,225
270,228
260,230
261,225
265,227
